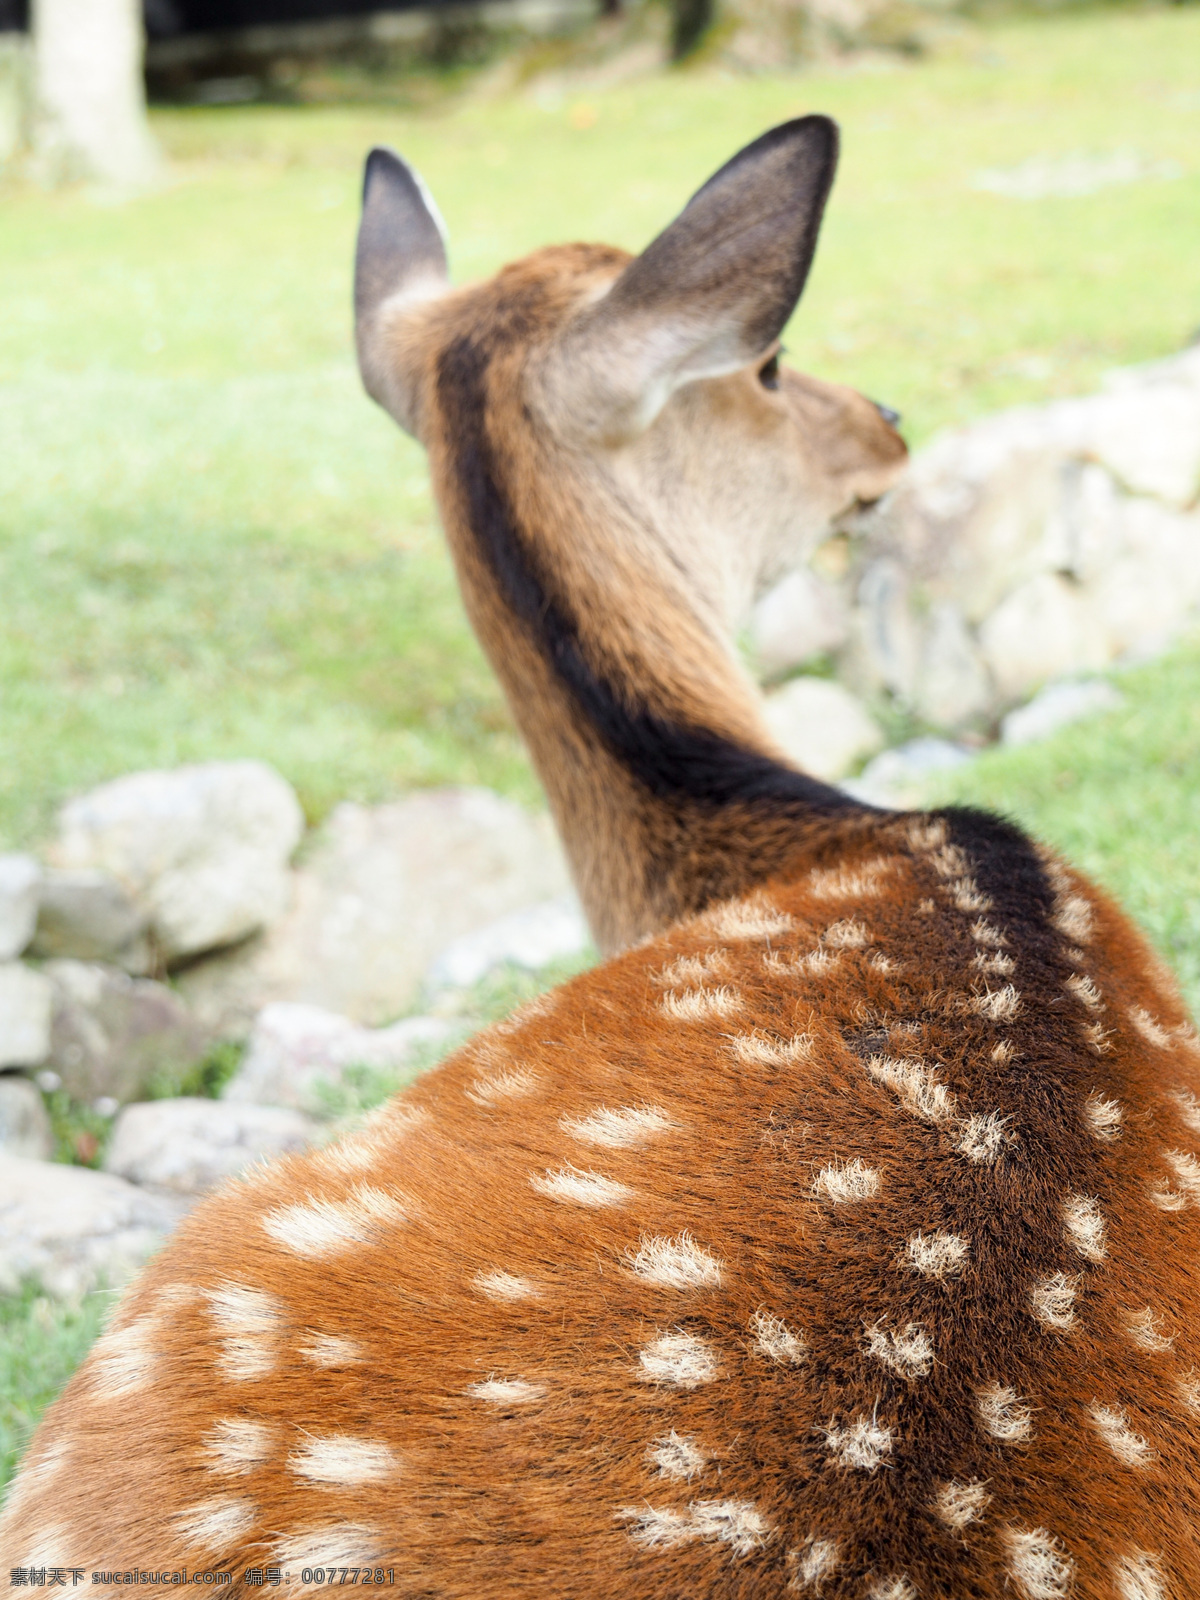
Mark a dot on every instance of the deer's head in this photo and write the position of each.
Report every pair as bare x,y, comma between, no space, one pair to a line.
653,383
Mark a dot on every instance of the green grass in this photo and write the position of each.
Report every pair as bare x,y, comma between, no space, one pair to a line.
211,544
41,1344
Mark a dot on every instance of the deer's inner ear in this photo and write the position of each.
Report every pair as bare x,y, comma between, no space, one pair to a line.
400,258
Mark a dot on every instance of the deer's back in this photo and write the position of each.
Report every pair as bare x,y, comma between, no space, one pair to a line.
842,1241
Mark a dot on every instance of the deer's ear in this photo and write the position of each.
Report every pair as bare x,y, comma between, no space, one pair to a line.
712,292
400,260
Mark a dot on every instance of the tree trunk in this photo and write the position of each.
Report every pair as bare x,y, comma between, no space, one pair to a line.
690,21
91,102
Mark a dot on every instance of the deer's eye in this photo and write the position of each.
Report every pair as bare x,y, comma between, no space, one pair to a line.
768,373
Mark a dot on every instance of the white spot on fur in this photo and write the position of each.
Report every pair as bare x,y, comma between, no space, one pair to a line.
620,1129
1073,918
1189,1390
694,970
1187,1171
216,1525
984,933
927,833
1003,1414
1002,1052
1138,1577
330,1350
324,1227
506,1391
997,1005
891,1589
1145,1329
756,918
251,1324
50,1547
1052,1301
983,1136
678,1263
775,1340
1098,1037
737,1523
124,1360
863,882
676,1457
1104,1118
699,1005
1083,1226
511,1083
815,964
937,1255
579,1188
1189,1108
1085,990
863,1445
916,1086
882,963
341,1459
907,1351
680,1359
335,1544
968,897
756,1050
41,1465
1111,1423
658,1529
995,962
1037,1562
848,934
960,1504
1153,1032
238,1445
816,1560
853,1181
505,1286
949,862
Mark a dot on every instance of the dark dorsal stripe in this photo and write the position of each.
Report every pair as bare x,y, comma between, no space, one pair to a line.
674,761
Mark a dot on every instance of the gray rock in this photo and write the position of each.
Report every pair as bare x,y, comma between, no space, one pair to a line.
88,916
203,850
73,1230
897,776
191,1145
24,1125
531,938
111,1032
20,877
801,617
295,1049
821,727
1055,707
382,892
1039,632
953,684
885,646
24,1016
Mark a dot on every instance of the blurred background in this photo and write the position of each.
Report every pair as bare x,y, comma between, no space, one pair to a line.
215,551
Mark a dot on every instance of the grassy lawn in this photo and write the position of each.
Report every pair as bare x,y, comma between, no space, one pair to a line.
212,545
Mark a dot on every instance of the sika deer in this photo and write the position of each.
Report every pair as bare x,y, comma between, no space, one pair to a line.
837,1239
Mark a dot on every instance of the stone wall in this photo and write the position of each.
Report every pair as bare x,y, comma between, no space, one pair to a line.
1037,544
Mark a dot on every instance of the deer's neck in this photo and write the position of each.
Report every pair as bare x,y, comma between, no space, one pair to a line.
645,729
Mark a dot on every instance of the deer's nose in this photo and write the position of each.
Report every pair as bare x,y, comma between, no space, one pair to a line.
892,418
